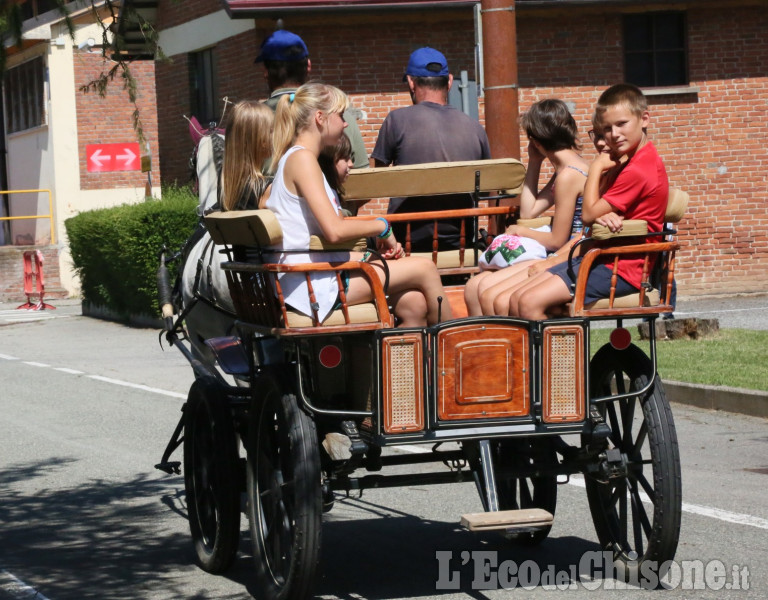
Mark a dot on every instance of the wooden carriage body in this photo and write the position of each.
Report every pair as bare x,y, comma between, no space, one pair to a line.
470,377
505,392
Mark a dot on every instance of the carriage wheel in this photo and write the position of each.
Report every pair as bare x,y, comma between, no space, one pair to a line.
636,514
211,477
526,492
284,494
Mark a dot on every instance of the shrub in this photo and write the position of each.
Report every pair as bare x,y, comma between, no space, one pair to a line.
115,250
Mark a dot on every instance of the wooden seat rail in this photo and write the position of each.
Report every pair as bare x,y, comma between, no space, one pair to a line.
258,297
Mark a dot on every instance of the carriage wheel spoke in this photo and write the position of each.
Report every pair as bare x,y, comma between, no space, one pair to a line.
621,388
647,487
637,530
622,537
641,515
642,435
627,415
613,419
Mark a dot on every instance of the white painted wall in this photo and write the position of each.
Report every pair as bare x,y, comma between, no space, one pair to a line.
47,157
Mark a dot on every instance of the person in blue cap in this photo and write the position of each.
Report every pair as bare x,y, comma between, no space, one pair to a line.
286,62
431,130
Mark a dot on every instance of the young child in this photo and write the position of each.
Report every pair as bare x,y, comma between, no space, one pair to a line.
306,122
335,163
247,147
552,137
639,191
520,273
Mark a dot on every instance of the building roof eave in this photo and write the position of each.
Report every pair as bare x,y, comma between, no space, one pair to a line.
248,9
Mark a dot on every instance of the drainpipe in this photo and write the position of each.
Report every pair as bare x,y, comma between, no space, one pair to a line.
500,77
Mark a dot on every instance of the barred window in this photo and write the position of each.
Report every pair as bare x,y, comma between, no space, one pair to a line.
655,50
24,88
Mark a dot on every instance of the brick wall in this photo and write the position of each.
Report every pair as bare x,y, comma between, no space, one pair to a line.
713,141
177,12
238,79
109,120
12,268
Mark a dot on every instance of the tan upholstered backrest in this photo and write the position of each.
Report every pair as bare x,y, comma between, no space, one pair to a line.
629,228
318,243
430,179
535,223
676,205
244,227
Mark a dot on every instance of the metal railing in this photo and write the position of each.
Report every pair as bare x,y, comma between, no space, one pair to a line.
48,216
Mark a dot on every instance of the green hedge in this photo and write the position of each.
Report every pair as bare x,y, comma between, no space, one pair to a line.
115,251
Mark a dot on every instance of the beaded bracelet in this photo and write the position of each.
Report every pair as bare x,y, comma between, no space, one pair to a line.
387,230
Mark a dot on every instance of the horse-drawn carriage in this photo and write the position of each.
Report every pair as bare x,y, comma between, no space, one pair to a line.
294,410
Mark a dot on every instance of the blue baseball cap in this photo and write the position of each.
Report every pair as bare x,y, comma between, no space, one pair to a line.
426,62
283,45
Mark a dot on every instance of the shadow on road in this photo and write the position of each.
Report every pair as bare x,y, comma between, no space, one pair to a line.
122,539
103,539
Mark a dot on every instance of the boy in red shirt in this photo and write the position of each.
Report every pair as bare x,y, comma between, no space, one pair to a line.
639,191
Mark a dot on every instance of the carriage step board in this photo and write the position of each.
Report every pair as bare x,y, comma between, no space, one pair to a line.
527,518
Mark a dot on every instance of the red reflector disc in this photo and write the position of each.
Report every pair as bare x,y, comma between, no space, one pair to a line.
620,338
330,356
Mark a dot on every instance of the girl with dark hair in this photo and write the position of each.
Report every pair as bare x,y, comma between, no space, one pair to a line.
336,162
552,136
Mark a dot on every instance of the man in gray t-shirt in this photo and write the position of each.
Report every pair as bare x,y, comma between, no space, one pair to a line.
429,131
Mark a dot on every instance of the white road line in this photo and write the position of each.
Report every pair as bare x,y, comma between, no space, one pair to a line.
138,386
413,449
725,515
17,588
696,509
27,317
706,511
32,363
22,315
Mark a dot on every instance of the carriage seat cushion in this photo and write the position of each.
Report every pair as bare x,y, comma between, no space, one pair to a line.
630,227
450,259
431,179
244,227
535,223
652,298
261,227
358,313
677,202
318,243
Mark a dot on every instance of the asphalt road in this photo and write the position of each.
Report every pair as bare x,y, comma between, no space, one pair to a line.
86,407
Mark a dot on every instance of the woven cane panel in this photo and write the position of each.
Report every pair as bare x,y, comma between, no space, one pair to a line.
403,385
563,374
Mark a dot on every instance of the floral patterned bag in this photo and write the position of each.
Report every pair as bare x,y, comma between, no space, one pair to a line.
508,249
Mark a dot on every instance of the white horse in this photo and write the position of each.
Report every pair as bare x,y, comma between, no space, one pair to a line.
203,286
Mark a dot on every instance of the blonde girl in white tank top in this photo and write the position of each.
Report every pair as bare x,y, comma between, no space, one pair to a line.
305,122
